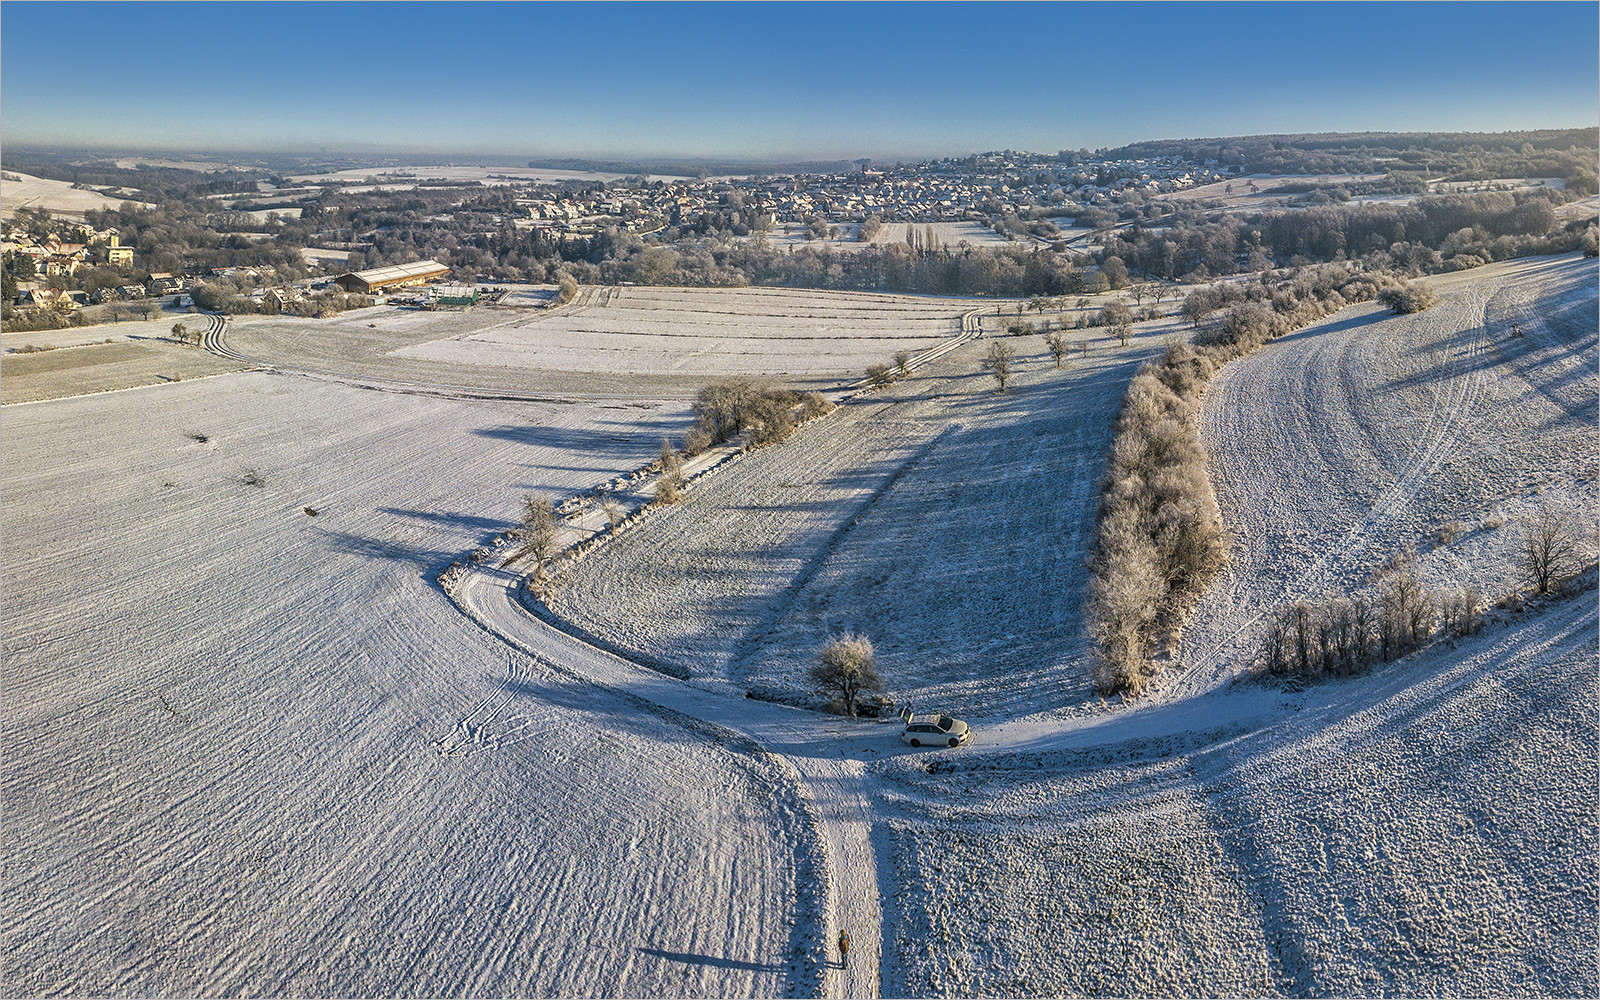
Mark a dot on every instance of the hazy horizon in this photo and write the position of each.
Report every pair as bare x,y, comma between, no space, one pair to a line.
780,82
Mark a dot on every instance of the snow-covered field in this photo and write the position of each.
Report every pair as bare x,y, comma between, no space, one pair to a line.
949,234
948,523
79,360
1237,192
1360,437
251,750
254,747
708,332
57,197
1426,830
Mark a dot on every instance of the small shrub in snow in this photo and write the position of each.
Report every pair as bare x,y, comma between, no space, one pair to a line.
669,459
668,487
814,405
697,440
538,533
902,364
1462,611
1448,532
1412,297
879,375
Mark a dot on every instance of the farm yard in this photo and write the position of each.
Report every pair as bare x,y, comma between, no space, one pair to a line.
280,756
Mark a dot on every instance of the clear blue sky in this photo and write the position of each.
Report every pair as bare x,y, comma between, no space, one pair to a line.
779,80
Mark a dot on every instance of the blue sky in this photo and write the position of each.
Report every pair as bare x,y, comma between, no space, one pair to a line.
779,80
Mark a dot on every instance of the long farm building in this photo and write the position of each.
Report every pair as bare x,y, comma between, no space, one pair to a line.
394,276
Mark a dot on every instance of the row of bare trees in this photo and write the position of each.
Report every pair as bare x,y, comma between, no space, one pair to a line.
1346,635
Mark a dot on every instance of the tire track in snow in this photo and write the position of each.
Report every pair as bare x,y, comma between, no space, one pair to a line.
1450,411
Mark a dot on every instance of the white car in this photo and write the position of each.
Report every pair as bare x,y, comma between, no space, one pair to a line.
936,730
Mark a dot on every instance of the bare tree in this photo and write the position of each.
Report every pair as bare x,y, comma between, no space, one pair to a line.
537,534
613,514
1549,548
998,363
1057,344
1120,317
902,363
848,665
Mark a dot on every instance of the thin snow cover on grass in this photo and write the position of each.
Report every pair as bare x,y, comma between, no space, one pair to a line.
708,332
252,748
328,260
1260,190
1428,829
946,522
1353,442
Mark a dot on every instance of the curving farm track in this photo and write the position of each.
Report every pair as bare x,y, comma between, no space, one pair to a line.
1215,838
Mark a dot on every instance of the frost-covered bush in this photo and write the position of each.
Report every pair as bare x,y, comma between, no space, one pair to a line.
1160,536
697,440
735,405
1412,297
814,405
848,666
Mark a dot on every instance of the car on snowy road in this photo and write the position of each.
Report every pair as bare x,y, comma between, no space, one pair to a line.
935,730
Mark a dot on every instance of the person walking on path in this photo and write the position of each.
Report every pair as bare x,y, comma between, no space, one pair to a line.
844,948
